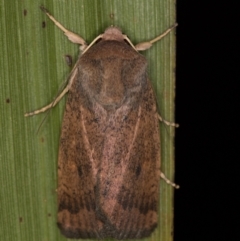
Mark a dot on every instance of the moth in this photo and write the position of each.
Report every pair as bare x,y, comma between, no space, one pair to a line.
109,151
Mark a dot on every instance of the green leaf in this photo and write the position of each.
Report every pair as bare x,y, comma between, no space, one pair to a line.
32,70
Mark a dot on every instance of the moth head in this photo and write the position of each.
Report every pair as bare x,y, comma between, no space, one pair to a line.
113,33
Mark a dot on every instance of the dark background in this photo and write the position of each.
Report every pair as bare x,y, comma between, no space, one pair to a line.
207,106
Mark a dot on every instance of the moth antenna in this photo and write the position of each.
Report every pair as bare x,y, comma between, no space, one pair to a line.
129,41
92,43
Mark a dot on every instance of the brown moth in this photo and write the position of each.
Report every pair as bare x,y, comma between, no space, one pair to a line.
109,153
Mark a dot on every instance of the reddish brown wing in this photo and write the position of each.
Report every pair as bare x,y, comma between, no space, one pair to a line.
129,183
76,171
109,153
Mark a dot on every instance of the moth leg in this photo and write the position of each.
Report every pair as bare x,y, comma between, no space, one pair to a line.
52,104
167,122
71,36
168,181
146,45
